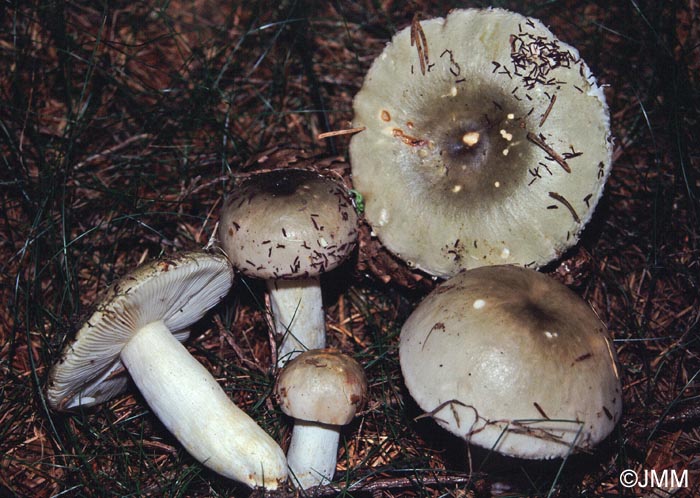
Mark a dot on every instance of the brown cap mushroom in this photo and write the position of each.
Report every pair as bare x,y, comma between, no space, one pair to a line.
487,141
322,390
134,326
289,226
511,360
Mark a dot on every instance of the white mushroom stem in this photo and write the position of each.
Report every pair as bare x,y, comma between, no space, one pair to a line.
312,454
194,407
297,310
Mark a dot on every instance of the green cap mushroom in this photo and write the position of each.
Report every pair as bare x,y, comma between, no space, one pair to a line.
487,141
511,360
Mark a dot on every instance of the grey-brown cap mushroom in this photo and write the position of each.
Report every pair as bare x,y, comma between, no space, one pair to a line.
511,360
322,390
290,226
487,141
135,328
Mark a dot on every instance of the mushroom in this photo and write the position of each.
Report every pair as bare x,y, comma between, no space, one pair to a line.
322,390
487,141
511,360
289,226
138,325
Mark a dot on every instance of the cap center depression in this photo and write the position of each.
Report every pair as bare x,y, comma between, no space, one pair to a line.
474,145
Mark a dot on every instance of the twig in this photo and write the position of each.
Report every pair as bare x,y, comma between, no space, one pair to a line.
553,154
270,328
549,109
335,133
567,204
387,483
421,43
226,335
111,150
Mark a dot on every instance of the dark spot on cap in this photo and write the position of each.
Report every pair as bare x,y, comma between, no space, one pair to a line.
583,357
607,413
282,182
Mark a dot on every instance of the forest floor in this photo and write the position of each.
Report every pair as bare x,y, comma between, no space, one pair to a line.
121,128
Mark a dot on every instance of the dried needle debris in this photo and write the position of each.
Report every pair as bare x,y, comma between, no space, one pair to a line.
470,153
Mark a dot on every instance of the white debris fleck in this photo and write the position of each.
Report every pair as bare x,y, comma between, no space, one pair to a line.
471,138
383,217
479,303
506,135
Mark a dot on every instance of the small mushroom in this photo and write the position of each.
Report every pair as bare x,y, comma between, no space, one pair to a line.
487,141
136,326
290,226
322,390
511,360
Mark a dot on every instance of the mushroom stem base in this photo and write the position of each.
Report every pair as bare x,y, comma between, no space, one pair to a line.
192,405
297,310
312,454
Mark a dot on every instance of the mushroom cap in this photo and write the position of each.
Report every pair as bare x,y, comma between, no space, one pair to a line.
322,385
511,360
178,290
288,223
498,154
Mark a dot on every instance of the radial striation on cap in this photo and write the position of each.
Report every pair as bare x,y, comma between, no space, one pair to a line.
490,144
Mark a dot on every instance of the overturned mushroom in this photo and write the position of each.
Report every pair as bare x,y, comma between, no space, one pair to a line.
511,360
290,226
137,325
487,142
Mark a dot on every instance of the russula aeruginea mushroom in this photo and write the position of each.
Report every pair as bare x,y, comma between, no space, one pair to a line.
289,226
487,141
511,360
137,325
322,390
